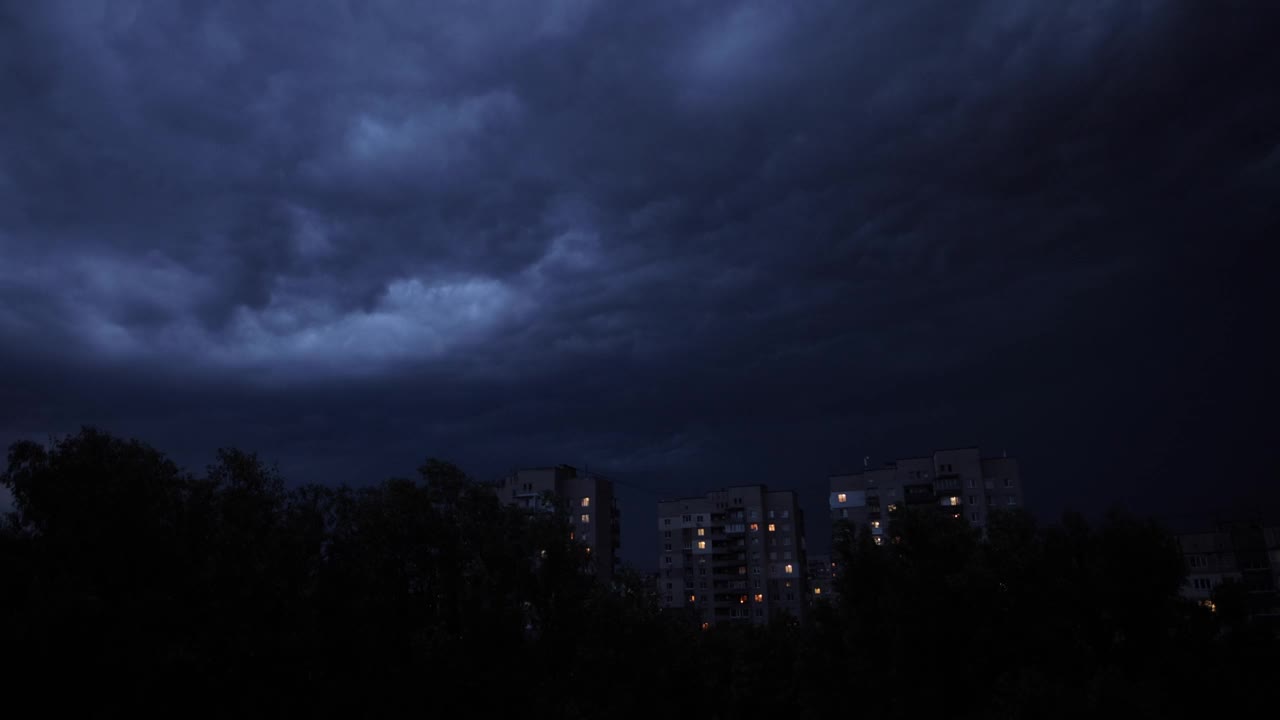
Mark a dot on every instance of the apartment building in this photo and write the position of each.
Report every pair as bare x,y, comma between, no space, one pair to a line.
959,481
1241,551
593,512
822,577
733,555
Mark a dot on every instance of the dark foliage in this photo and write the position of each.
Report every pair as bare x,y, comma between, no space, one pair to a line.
128,583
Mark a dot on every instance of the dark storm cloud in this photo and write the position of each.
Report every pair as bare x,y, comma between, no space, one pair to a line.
697,241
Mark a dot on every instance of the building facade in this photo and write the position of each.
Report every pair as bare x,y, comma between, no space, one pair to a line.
734,555
1239,551
958,481
822,577
593,512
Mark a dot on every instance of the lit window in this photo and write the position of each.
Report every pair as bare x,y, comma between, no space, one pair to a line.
893,507
878,540
817,591
585,518
706,625
788,568
570,534
953,500
742,600
759,597
875,524
842,498
755,527
693,598
586,502
702,531
702,544
772,527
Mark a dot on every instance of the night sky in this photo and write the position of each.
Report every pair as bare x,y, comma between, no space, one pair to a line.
686,244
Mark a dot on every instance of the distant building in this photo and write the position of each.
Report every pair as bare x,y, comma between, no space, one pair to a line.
821,577
960,482
1243,551
592,510
735,555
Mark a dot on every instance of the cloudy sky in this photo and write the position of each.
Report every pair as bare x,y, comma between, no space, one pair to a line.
687,243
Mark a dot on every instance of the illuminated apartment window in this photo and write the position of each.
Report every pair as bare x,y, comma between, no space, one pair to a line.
693,598
586,502
817,591
875,524
742,600
702,531
893,507
571,536
878,540
772,527
759,597
706,625
702,544
842,498
788,568
755,527
586,518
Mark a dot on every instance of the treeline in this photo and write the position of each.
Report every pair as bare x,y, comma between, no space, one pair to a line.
130,583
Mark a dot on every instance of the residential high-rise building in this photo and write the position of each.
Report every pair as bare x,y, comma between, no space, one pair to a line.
959,481
1240,551
736,554
821,577
593,511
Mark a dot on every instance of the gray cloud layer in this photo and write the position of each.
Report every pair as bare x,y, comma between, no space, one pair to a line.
691,241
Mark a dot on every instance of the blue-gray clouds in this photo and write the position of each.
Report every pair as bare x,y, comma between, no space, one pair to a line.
693,241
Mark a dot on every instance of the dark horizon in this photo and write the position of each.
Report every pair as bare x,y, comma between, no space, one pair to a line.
727,243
